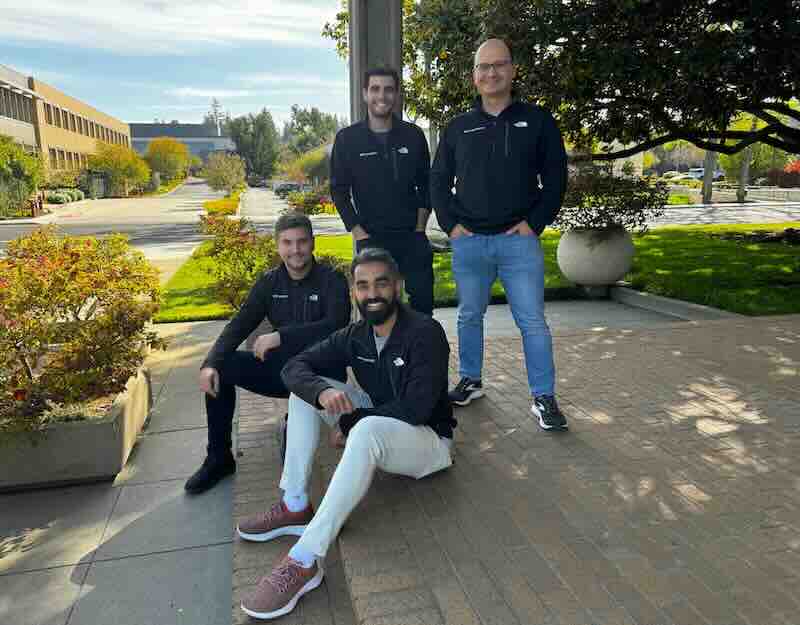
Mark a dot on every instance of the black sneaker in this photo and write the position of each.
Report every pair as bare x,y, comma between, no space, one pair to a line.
550,416
465,391
211,472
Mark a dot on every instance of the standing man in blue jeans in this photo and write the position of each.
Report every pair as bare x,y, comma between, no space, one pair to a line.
507,161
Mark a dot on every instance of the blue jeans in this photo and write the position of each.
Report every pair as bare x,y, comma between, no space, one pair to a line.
519,263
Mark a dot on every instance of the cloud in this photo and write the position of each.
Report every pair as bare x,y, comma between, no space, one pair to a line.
175,27
315,82
208,93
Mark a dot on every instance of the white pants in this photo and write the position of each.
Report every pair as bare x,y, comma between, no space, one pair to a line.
373,443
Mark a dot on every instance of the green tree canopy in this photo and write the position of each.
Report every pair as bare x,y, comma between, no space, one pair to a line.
257,142
637,73
225,172
123,167
168,156
309,128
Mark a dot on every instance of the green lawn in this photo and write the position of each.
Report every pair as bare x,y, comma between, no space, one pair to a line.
684,262
692,264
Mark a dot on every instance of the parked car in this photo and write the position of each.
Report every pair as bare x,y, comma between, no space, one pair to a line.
670,174
698,172
282,189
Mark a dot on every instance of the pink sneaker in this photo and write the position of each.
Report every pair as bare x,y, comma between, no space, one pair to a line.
277,521
279,592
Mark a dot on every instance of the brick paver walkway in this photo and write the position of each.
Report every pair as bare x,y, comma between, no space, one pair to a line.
675,498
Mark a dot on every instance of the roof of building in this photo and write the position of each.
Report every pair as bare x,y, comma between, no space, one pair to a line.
178,131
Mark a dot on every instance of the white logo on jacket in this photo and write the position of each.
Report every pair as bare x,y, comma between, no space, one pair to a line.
399,362
279,296
403,150
469,130
313,297
363,154
521,124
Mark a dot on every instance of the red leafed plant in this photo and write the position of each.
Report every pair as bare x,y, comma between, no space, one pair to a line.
74,323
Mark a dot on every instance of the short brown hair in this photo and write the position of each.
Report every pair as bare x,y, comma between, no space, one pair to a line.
382,71
290,220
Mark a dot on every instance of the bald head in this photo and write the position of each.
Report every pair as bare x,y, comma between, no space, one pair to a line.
494,73
494,48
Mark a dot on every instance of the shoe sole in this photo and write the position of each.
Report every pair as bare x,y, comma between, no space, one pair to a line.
474,395
549,428
285,530
308,587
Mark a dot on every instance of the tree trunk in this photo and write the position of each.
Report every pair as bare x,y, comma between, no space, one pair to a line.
709,167
744,172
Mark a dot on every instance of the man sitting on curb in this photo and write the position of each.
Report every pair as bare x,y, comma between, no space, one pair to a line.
305,302
401,422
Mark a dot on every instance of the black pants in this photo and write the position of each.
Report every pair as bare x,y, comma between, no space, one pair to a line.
413,254
241,369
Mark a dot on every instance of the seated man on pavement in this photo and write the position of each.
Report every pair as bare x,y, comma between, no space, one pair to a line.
305,302
401,422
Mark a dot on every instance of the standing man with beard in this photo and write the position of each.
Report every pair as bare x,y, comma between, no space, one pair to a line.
379,183
508,163
401,422
305,302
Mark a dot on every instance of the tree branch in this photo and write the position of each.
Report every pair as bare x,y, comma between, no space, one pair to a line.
610,156
779,107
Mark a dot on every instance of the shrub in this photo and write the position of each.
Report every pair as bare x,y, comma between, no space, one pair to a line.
20,176
73,323
240,256
57,197
783,178
598,199
307,202
73,194
793,167
225,206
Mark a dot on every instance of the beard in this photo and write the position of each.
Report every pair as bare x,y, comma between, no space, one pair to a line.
377,317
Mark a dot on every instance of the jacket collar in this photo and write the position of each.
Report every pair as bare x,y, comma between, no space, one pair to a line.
400,329
477,106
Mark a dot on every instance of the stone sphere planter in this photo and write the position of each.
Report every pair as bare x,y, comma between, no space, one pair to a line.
595,257
78,451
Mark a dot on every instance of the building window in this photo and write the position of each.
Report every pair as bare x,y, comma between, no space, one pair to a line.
48,114
57,116
53,159
62,160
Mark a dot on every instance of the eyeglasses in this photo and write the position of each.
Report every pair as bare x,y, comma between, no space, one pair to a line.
485,68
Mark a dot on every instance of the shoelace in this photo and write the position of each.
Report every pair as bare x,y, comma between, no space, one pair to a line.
273,513
285,575
462,386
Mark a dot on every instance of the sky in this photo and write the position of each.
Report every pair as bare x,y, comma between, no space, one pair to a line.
152,59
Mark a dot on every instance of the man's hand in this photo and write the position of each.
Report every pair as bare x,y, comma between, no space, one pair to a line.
522,229
265,343
359,234
336,438
209,381
459,231
335,402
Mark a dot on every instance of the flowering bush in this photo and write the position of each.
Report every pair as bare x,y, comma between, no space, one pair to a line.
307,202
598,199
241,256
73,323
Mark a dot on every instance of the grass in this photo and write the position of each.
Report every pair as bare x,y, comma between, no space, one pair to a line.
691,263
165,187
224,206
679,198
694,264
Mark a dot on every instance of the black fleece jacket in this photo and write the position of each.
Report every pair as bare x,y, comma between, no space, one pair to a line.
497,163
302,311
407,381
389,183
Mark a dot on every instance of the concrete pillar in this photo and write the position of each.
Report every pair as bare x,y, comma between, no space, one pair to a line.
376,38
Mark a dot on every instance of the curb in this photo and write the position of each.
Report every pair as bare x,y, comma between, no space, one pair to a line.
668,306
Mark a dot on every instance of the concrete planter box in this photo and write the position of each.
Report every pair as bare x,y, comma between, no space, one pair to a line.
79,451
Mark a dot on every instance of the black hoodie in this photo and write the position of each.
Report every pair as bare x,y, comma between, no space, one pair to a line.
407,381
497,163
389,183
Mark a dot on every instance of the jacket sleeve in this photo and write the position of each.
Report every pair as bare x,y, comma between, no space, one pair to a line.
551,166
422,175
296,337
442,176
342,183
302,374
429,357
253,312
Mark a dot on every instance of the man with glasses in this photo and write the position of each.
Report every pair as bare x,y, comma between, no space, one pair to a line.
507,161
379,183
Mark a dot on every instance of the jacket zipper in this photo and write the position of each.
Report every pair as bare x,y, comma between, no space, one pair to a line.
507,126
394,161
